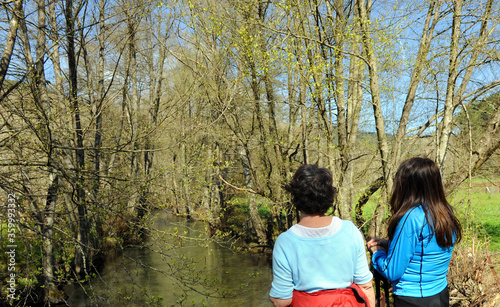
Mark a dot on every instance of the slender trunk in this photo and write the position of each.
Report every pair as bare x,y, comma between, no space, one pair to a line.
376,226
98,103
10,40
51,294
344,182
454,95
54,55
153,122
375,91
133,109
97,112
252,203
416,77
302,75
444,129
112,159
260,122
304,117
294,102
41,44
212,198
182,172
251,63
355,104
82,250
25,41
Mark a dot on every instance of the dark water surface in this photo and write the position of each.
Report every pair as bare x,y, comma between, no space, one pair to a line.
178,267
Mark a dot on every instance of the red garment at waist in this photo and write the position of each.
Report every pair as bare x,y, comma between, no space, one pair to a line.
352,296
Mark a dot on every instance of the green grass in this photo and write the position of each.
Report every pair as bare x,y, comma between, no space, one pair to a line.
481,210
263,206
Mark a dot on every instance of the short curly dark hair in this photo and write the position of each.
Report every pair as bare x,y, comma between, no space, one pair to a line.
312,189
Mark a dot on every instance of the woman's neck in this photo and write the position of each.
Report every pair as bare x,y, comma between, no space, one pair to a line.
314,220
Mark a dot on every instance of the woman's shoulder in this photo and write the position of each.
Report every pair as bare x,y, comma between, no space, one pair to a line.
416,212
284,239
349,227
347,223
415,216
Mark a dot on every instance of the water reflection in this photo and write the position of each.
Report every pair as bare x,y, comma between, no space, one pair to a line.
178,267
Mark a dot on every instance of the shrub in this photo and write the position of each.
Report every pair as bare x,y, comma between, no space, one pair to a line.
472,277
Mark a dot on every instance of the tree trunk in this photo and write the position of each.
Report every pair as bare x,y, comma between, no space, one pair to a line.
454,95
82,259
132,113
212,196
377,227
10,41
444,129
252,204
97,113
54,55
52,295
416,77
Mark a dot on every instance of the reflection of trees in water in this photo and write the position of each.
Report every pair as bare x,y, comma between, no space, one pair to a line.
178,264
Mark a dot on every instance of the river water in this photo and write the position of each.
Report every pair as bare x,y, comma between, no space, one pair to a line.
177,266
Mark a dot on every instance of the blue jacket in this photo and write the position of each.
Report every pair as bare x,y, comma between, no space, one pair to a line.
415,264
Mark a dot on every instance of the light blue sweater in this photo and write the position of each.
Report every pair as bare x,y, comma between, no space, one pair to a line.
415,263
313,264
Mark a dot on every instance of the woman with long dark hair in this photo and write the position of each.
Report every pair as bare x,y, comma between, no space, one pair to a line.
321,261
422,232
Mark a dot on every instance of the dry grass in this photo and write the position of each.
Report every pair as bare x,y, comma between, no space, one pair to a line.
472,276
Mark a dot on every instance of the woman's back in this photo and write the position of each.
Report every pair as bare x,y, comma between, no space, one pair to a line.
321,259
313,264
416,264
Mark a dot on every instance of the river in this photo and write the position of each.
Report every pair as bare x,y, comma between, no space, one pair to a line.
177,267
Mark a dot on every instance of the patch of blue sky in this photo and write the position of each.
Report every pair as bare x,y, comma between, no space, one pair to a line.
401,37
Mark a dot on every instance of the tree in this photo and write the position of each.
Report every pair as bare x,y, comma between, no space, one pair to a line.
16,13
110,110
463,61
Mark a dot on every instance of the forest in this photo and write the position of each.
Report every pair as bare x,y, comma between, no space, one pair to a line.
112,110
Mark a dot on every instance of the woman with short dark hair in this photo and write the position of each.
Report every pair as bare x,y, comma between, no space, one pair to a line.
422,232
321,261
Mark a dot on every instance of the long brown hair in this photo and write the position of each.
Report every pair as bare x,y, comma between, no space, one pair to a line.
418,182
